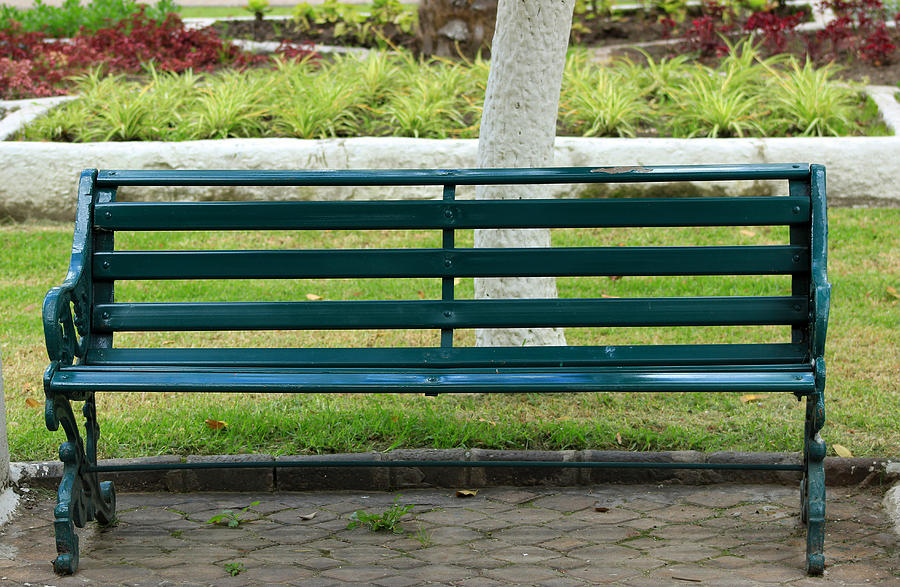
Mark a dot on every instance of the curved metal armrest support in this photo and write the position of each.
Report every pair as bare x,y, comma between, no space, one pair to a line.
59,325
66,316
67,308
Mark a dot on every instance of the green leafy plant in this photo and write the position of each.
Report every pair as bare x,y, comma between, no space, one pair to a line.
258,8
809,103
592,9
234,569
423,109
710,105
601,101
234,107
726,101
314,105
675,9
332,11
385,521
398,94
423,536
231,518
657,78
70,17
392,12
304,15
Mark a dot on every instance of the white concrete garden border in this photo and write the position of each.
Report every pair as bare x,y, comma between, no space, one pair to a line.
39,179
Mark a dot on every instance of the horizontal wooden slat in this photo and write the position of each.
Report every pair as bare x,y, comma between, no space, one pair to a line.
451,314
112,178
432,381
461,214
375,263
726,355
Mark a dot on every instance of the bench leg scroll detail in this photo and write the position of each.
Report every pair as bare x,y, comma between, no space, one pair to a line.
81,496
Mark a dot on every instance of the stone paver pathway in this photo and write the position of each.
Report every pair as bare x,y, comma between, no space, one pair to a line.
627,534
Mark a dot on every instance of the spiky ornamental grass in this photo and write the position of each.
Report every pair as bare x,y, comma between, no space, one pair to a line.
396,94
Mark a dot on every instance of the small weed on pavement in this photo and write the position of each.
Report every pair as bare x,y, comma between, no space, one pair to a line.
231,518
387,520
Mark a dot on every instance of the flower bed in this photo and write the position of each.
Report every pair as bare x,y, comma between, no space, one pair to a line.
859,36
72,18
395,94
32,65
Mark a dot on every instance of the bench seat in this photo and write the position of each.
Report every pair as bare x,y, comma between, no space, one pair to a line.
712,368
793,378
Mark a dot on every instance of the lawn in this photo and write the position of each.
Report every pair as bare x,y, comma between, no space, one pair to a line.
863,394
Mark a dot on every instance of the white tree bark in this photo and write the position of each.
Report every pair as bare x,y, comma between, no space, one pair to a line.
4,445
518,126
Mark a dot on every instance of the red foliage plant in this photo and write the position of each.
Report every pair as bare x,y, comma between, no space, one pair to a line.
18,80
172,47
705,37
24,71
33,66
297,51
776,30
669,26
877,47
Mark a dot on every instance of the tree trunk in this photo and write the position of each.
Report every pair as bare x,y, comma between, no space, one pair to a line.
518,126
453,28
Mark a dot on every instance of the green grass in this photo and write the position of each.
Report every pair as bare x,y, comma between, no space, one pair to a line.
863,405
73,15
225,12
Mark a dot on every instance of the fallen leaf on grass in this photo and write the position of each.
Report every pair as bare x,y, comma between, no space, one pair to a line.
216,424
606,296
752,397
466,492
313,297
32,403
748,233
618,438
893,292
308,516
29,307
421,295
842,451
457,281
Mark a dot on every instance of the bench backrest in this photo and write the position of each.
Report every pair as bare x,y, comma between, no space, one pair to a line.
800,207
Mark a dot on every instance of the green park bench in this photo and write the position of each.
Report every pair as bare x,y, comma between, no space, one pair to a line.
82,315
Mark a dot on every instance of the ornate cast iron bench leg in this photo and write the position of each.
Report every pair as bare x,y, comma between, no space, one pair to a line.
81,496
812,487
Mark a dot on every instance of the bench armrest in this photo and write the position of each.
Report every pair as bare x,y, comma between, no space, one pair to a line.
821,300
67,308
820,289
